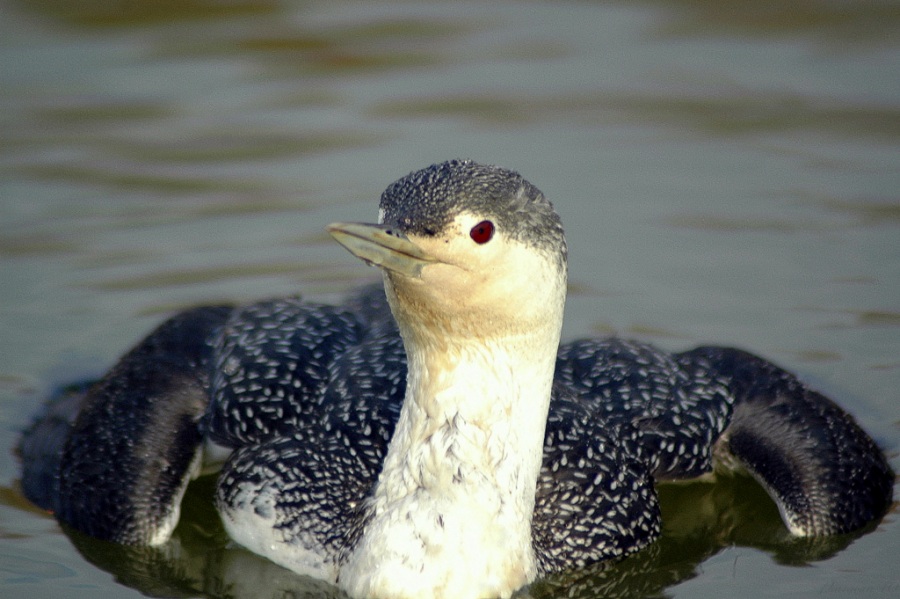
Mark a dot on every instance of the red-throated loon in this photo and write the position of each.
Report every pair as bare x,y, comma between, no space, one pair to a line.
454,449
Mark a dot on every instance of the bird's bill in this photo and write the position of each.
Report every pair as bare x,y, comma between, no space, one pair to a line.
382,246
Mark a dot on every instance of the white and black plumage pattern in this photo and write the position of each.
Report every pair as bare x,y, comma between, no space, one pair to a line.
595,497
305,398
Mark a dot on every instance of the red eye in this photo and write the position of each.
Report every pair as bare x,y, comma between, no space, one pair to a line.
482,232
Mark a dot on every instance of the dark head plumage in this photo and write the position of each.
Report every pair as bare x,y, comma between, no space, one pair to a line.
426,201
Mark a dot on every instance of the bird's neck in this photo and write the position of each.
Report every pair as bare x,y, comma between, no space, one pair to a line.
451,512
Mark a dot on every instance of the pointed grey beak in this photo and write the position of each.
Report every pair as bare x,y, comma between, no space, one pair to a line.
382,246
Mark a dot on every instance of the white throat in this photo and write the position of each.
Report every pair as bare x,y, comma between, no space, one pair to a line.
451,511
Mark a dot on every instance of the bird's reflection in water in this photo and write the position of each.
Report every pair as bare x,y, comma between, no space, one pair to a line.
700,519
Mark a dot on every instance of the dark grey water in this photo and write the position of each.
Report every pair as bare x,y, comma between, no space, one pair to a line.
727,174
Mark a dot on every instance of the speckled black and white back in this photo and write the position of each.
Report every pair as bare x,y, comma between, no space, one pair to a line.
623,415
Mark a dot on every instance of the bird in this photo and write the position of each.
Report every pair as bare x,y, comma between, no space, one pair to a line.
432,436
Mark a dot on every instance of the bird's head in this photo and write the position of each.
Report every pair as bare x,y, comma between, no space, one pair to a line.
466,249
